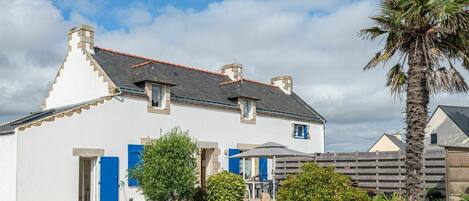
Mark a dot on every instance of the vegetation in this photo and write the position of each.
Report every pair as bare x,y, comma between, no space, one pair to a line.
225,186
316,183
168,169
464,197
434,195
427,38
383,197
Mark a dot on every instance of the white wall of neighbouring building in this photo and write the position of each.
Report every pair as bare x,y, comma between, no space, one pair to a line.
8,167
448,133
46,163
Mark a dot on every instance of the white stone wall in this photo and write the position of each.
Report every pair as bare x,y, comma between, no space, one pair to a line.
449,134
45,160
8,167
77,80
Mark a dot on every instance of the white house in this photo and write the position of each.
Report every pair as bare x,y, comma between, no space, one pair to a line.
104,104
448,126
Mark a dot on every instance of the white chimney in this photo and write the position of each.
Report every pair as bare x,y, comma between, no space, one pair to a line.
81,37
283,82
398,136
234,71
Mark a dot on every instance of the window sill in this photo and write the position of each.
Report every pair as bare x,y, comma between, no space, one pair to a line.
158,110
300,138
248,121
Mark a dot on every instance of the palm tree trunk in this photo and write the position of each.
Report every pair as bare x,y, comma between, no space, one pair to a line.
416,119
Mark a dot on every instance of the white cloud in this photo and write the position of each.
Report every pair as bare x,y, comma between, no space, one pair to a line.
314,41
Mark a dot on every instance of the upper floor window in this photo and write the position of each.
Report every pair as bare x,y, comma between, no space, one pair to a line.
157,95
247,109
301,131
433,138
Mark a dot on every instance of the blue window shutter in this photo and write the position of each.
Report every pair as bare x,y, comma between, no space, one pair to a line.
263,168
109,179
233,163
134,157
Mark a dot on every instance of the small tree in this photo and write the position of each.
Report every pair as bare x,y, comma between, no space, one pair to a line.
169,167
225,186
316,183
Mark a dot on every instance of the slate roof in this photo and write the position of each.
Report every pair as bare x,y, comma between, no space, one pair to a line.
199,86
9,127
459,115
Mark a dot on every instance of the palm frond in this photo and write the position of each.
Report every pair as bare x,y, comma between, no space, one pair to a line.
458,85
372,33
396,79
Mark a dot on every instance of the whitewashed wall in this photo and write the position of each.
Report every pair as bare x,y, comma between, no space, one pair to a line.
449,134
77,81
8,167
45,160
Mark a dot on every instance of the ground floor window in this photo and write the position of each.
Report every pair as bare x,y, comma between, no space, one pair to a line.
87,179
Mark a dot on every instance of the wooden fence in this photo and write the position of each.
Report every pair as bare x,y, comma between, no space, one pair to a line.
373,171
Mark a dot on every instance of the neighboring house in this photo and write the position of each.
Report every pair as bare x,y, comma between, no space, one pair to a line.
103,105
388,142
448,126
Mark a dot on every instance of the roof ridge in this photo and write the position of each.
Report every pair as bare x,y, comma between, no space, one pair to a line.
156,60
453,106
149,60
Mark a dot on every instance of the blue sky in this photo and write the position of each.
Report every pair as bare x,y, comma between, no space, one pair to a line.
315,41
105,12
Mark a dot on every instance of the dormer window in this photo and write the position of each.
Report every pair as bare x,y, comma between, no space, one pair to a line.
158,97
248,110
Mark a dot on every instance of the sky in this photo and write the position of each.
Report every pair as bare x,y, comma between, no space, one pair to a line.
315,41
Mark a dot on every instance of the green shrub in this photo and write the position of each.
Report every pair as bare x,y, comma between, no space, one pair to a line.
383,197
169,167
464,197
225,186
434,195
200,194
316,183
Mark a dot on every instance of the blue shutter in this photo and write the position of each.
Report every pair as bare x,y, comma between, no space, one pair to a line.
306,131
109,179
263,168
134,157
233,163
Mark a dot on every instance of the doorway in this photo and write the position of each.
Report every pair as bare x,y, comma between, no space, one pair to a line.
87,179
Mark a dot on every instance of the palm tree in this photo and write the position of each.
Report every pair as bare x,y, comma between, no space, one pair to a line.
424,40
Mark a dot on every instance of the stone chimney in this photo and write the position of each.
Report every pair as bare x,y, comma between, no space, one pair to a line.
234,71
81,37
283,82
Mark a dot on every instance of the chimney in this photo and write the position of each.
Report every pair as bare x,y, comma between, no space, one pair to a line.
234,71
283,82
398,135
81,37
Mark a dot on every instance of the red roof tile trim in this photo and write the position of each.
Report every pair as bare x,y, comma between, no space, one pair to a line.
174,64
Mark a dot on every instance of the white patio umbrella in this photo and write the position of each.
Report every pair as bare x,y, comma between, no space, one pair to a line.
269,150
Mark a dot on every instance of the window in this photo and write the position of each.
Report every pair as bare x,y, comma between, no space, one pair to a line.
433,138
157,95
301,131
247,109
